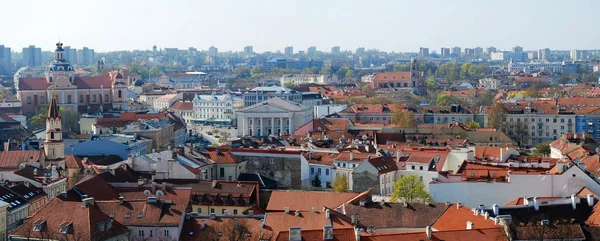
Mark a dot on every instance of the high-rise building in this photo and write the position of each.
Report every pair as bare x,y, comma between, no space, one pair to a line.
478,50
5,60
490,50
335,50
455,51
32,56
312,51
424,52
70,54
575,54
532,55
360,51
544,54
445,52
86,56
249,50
213,51
517,49
469,52
289,51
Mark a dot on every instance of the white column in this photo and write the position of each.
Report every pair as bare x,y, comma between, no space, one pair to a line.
252,125
272,125
280,125
244,126
262,131
291,124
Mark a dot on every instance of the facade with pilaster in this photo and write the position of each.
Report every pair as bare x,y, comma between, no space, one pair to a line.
273,116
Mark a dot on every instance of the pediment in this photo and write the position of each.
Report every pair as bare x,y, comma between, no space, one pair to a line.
266,109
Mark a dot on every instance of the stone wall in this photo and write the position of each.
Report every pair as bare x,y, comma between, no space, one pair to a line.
365,180
286,171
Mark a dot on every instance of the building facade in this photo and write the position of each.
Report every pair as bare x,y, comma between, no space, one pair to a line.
300,79
272,116
216,109
260,94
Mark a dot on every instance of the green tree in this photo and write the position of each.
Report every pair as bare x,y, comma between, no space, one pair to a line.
230,82
155,72
37,121
403,119
70,119
256,70
341,73
367,90
289,84
325,70
464,70
350,74
542,149
340,183
410,188
316,182
401,67
242,71
431,84
476,71
446,99
473,124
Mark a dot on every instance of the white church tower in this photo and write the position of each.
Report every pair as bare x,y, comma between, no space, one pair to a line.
54,147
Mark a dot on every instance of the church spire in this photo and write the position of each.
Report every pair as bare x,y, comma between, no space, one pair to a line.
53,111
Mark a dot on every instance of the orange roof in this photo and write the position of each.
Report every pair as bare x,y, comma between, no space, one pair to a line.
392,76
317,235
456,219
183,105
220,156
488,151
585,191
279,221
592,164
12,159
490,234
306,200
594,218
521,200
192,232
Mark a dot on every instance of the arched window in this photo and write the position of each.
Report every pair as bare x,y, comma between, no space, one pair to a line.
28,99
119,94
52,135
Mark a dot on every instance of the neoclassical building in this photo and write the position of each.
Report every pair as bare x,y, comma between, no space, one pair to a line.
216,109
273,116
83,93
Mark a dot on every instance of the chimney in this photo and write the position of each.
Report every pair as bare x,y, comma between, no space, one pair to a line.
590,200
357,232
153,186
496,209
327,214
215,183
458,205
153,150
287,209
203,224
351,156
496,220
536,204
64,194
314,210
87,201
163,186
525,201
6,146
574,200
405,204
486,215
353,218
121,200
295,234
362,203
469,225
428,232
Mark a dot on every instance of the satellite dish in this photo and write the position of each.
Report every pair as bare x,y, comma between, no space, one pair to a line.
147,193
160,193
371,230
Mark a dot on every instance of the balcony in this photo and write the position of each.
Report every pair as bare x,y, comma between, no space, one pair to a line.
590,123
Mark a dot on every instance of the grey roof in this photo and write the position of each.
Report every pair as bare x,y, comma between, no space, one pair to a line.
279,103
273,89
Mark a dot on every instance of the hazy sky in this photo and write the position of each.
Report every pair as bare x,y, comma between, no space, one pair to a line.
270,25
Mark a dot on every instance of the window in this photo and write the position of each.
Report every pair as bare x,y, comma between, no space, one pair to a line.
28,99
80,98
222,172
326,172
150,233
222,211
312,170
412,167
119,93
212,210
94,98
166,233
421,168
69,99
105,97
235,212
42,100
319,171
141,233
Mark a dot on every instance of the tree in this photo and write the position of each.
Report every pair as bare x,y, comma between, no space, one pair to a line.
431,84
242,71
70,119
542,149
476,71
403,119
230,82
350,74
497,117
233,229
341,73
316,182
446,99
464,70
340,184
289,84
155,72
256,70
473,124
325,70
367,90
410,188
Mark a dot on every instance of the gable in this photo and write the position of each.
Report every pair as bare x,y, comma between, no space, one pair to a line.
265,109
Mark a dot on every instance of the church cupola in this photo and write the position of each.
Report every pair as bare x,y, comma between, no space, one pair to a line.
59,67
59,53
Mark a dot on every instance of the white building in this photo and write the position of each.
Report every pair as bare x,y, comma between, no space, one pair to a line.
490,83
323,110
3,220
166,101
553,67
216,109
260,94
300,79
273,116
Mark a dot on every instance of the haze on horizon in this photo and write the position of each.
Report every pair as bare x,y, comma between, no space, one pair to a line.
271,25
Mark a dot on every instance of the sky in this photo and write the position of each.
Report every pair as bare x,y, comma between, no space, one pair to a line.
271,25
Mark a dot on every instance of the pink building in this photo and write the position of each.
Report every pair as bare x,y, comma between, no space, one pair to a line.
90,93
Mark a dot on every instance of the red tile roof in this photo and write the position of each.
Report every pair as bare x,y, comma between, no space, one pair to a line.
395,215
83,82
494,234
96,187
280,222
191,229
12,159
456,219
317,235
306,200
183,105
221,156
392,76
86,222
39,83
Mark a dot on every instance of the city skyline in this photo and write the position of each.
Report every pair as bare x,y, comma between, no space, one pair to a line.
272,26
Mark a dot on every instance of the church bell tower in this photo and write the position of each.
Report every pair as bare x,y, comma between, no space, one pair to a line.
54,146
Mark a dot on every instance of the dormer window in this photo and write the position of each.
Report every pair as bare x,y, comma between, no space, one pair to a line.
39,225
66,227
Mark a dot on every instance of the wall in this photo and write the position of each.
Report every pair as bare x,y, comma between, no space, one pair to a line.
204,210
472,194
157,233
286,169
98,147
365,180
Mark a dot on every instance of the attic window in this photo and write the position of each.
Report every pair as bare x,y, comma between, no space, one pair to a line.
39,225
128,215
66,227
112,215
140,215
